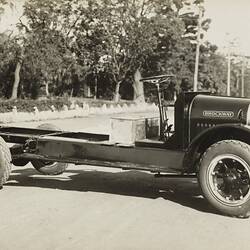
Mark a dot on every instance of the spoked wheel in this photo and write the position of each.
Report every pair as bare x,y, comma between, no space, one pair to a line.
224,176
49,167
229,179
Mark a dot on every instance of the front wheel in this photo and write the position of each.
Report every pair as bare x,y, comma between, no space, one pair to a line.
224,176
5,162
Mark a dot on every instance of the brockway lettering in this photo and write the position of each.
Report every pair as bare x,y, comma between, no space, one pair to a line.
219,114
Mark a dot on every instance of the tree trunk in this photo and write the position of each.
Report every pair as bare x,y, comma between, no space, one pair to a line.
88,91
95,89
17,75
16,81
138,87
47,88
117,95
71,93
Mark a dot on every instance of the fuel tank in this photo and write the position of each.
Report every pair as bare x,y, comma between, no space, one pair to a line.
207,111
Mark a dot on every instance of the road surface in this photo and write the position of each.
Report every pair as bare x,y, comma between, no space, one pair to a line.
108,209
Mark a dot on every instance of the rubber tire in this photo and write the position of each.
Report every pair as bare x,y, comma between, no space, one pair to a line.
49,168
5,162
48,126
20,162
237,148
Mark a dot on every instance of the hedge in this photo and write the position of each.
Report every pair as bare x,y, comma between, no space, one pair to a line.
27,105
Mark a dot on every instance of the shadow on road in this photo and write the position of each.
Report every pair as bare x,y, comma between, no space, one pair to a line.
130,183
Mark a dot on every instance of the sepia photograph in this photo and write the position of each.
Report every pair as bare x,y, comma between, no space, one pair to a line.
124,124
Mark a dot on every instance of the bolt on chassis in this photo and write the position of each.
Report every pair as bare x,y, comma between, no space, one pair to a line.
210,140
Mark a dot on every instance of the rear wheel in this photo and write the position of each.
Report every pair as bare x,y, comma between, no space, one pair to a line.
224,176
5,162
49,167
20,162
16,149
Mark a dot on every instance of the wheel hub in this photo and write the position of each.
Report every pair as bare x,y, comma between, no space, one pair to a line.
232,179
229,179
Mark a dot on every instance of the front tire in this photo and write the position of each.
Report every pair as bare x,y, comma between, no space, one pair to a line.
224,177
5,162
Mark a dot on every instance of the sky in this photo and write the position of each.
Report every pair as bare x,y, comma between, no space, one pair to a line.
11,16
230,23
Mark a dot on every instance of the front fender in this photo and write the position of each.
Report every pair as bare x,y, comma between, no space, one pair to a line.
210,136
222,131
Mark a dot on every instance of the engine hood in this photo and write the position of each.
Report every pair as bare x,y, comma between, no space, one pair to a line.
207,111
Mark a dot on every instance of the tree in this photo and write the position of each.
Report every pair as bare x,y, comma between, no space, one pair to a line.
9,51
213,66
49,57
124,35
13,43
2,5
64,44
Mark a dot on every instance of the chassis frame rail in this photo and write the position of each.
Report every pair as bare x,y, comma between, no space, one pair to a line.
90,149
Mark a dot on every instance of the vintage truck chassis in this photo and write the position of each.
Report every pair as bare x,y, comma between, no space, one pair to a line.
92,149
211,139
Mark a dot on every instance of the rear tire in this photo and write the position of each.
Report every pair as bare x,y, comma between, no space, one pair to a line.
15,150
20,162
224,177
49,167
5,162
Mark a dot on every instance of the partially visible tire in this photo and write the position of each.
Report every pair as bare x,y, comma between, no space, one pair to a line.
20,162
5,162
48,167
17,149
224,177
48,126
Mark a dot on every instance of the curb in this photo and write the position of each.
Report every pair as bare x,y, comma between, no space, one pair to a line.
76,111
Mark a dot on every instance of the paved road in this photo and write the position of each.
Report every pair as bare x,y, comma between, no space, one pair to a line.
101,208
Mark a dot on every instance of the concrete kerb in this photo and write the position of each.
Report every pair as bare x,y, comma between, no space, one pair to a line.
73,111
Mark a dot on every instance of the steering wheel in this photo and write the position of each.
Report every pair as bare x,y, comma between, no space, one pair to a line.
157,79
